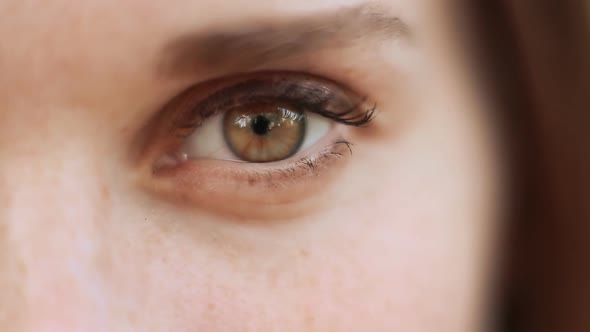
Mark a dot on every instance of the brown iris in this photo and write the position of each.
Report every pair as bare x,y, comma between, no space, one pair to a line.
264,132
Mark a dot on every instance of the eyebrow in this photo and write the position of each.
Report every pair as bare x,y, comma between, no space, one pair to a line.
258,43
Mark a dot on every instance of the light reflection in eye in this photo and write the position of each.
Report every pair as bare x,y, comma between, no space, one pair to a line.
256,133
242,121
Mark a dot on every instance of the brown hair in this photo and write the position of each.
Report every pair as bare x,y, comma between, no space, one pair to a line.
535,58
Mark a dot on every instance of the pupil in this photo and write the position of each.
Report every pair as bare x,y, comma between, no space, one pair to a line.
261,125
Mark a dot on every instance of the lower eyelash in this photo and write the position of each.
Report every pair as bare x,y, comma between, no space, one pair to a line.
330,152
304,167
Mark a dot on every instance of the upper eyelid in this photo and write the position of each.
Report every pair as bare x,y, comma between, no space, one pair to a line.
258,90
286,89
320,95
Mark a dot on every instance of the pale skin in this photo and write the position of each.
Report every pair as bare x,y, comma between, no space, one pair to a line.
395,237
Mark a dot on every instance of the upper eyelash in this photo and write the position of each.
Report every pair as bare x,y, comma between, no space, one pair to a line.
302,96
356,120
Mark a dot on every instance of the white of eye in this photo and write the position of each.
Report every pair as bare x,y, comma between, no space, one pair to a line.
208,141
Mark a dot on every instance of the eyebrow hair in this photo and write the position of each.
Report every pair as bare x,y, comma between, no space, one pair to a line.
254,44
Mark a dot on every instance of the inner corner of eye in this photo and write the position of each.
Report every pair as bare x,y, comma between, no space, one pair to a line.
206,141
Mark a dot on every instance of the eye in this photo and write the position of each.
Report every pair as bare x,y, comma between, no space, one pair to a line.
257,133
261,118
259,141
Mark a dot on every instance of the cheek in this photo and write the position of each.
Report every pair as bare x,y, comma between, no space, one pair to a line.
414,239
421,233
234,285
405,252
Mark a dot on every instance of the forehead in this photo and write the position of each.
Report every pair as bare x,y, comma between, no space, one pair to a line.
117,19
72,13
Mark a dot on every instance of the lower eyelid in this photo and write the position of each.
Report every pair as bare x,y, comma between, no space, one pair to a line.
211,184
331,146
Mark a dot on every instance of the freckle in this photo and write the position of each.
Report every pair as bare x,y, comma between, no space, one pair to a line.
132,318
103,262
309,318
3,232
105,193
273,277
304,253
124,130
312,282
211,306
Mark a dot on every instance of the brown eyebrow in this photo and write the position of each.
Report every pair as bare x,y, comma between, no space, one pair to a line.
252,45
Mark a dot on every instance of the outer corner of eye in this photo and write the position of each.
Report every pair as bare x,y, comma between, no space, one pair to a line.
317,128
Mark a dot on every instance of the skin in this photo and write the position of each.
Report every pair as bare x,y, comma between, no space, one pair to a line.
398,239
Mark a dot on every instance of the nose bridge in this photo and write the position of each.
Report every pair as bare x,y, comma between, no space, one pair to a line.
51,209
